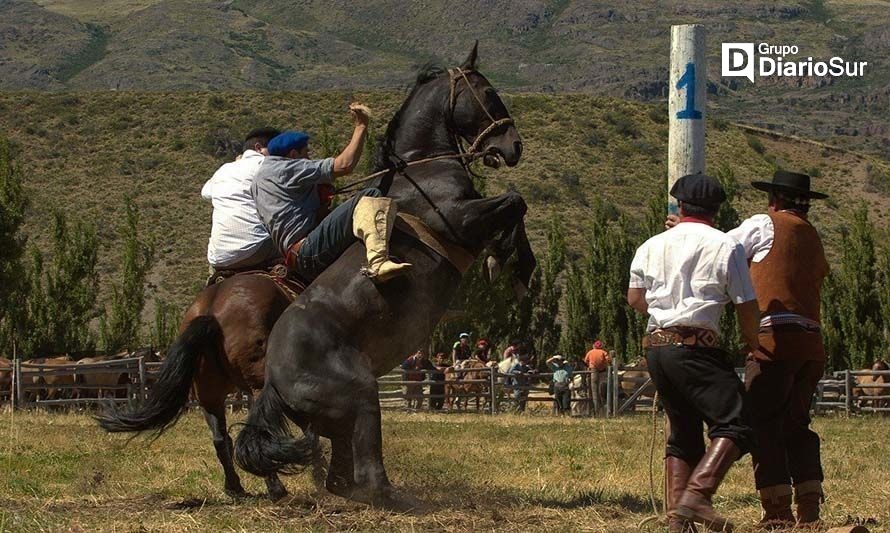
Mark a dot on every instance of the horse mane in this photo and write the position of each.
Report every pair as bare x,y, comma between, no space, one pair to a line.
427,73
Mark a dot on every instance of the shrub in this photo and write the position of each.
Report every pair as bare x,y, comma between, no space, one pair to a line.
755,143
623,124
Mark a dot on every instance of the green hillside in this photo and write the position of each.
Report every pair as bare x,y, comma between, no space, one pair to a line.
590,46
83,153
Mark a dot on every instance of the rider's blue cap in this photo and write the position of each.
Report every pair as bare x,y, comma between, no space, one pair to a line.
287,141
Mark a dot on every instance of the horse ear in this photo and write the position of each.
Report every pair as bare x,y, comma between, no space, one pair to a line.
470,62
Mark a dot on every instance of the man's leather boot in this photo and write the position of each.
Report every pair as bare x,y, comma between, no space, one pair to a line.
808,496
676,476
695,503
372,222
776,503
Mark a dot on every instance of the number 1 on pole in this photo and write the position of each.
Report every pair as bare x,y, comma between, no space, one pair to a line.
687,81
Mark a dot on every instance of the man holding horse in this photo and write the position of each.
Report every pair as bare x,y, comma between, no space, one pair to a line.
290,198
683,278
788,267
238,238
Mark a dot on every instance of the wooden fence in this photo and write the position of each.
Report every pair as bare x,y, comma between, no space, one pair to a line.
617,390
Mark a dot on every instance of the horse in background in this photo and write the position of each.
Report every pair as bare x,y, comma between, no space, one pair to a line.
863,393
458,392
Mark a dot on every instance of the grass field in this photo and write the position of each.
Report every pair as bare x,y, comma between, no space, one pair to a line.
474,472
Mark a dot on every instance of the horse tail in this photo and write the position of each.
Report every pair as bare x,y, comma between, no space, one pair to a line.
169,395
265,445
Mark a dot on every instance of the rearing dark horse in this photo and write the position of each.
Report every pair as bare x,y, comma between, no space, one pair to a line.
328,348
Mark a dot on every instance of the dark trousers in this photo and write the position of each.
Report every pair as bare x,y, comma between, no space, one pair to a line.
437,390
330,238
698,386
563,398
778,407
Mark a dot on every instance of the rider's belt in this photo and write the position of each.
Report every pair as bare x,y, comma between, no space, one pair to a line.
681,336
789,319
290,257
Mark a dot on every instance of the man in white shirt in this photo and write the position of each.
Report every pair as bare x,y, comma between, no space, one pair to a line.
683,278
238,238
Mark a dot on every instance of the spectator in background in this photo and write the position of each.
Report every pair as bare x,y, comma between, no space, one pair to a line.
562,376
437,392
461,351
482,351
598,361
519,380
415,367
510,349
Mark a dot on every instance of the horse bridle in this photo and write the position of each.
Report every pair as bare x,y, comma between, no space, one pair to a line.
464,155
456,75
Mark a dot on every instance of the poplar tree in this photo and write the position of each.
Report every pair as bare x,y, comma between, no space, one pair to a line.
851,299
13,202
60,295
121,328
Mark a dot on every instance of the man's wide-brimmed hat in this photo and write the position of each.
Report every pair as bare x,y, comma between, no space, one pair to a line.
792,184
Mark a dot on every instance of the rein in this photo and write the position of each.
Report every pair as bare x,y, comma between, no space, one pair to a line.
465,156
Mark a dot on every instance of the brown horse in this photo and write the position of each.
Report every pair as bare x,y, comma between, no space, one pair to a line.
55,387
863,393
458,391
220,350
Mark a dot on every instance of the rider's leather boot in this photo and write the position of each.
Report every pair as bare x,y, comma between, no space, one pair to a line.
677,473
695,503
776,503
808,496
372,222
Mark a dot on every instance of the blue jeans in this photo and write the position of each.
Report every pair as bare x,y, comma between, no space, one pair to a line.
330,238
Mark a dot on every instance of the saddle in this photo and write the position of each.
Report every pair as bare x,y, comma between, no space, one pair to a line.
289,285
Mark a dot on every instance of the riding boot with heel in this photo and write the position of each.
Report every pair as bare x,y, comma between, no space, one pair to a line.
808,496
677,473
372,222
695,503
776,503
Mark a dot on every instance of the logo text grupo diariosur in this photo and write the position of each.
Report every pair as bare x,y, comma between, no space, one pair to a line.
738,60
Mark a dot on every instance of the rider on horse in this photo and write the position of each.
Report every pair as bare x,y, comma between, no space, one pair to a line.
238,238
460,350
287,198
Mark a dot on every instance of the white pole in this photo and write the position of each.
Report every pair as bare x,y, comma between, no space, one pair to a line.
686,104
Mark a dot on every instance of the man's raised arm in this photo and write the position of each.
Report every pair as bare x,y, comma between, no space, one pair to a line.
346,162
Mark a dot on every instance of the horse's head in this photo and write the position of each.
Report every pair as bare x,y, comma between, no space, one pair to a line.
880,364
479,116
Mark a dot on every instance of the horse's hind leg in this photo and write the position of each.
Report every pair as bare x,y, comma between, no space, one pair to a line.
215,415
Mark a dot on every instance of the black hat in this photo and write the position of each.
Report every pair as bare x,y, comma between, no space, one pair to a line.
263,133
792,184
699,189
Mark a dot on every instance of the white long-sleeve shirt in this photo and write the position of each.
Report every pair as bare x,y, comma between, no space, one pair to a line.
690,273
237,231
756,236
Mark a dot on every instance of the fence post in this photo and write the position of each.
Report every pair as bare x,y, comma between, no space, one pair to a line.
609,376
142,390
848,389
19,391
492,379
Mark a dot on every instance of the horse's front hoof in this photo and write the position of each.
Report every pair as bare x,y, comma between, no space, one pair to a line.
398,501
237,493
276,496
